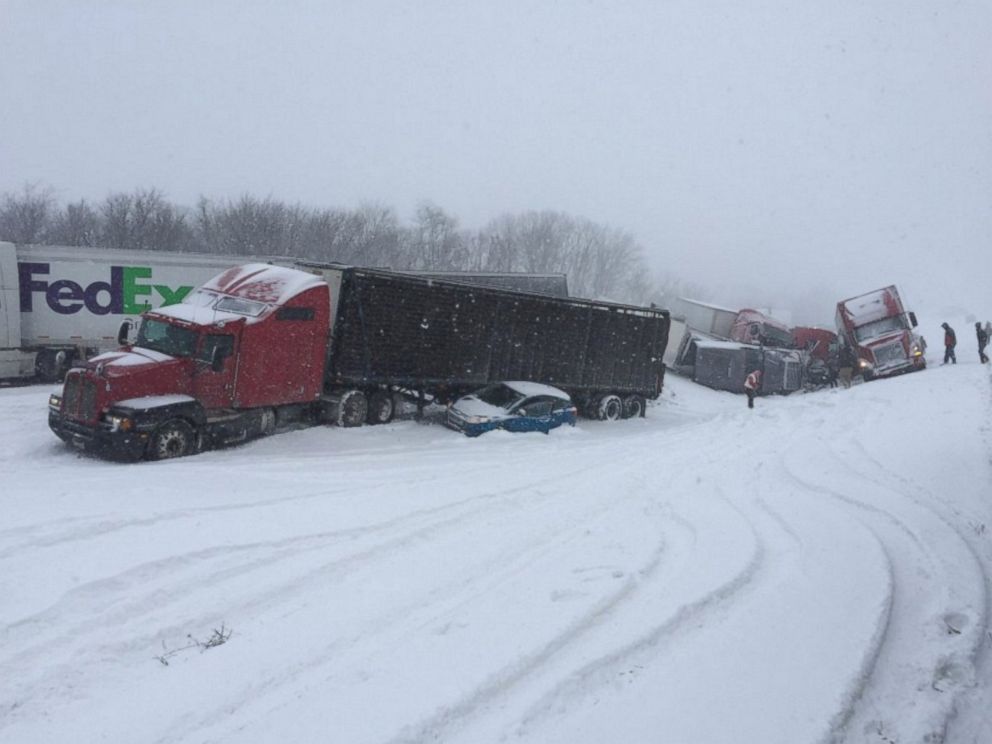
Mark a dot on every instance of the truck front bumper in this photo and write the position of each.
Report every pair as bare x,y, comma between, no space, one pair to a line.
98,439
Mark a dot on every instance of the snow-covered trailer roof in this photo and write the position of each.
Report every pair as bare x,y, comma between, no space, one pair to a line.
553,285
867,308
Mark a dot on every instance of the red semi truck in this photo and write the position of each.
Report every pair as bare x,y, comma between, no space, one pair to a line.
262,346
880,331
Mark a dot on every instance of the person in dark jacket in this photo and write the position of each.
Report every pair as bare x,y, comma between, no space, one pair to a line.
983,341
751,386
950,341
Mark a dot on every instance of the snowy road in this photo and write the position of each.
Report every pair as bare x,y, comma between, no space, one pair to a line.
815,570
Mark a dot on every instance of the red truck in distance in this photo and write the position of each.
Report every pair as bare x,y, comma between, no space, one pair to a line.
754,327
880,331
261,347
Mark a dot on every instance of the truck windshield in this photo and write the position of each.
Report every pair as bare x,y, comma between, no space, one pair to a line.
880,327
498,395
166,338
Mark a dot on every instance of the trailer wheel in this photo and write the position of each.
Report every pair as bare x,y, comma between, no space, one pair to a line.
633,406
610,408
353,408
172,439
381,407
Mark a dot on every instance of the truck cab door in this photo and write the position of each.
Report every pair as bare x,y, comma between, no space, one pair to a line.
217,362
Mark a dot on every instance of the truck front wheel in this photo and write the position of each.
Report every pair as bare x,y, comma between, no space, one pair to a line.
174,438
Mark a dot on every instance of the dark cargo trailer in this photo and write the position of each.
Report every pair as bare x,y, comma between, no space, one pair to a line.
446,339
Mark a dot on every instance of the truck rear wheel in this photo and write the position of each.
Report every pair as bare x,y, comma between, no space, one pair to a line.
610,408
172,439
633,406
381,407
353,408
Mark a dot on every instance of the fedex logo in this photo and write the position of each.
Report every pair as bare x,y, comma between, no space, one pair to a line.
122,295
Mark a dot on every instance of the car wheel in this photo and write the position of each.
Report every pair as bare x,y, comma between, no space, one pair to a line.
610,408
633,406
174,438
381,407
353,408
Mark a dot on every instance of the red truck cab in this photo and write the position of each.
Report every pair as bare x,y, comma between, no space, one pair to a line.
243,351
880,331
754,327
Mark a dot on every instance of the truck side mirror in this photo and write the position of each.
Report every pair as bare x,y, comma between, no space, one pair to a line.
912,319
124,332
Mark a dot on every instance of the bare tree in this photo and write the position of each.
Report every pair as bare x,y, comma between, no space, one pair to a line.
76,224
144,220
26,217
435,242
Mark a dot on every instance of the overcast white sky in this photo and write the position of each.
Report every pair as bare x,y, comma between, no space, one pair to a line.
788,152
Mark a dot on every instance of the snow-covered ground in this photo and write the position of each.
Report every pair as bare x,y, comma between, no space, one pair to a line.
814,570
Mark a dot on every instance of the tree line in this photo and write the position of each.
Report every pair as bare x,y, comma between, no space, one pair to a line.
599,261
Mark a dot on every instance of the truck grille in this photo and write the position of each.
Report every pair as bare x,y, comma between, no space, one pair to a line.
88,408
890,354
70,394
79,397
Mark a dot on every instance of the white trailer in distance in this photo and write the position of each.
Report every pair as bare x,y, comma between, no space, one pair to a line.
60,303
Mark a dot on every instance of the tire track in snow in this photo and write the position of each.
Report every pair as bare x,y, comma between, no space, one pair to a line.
48,534
493,691
908,627
106,612
413,619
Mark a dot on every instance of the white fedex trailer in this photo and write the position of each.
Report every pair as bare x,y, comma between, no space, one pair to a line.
60,303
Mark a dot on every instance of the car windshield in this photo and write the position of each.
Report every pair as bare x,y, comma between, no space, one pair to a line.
166,338
880,327
498,395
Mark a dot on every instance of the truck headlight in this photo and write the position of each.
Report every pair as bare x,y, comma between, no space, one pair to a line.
476,419
120,423
864,363
55,402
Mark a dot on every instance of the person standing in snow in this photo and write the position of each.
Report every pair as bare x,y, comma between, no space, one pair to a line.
845,360
833,364
950,341
983,341
751,386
